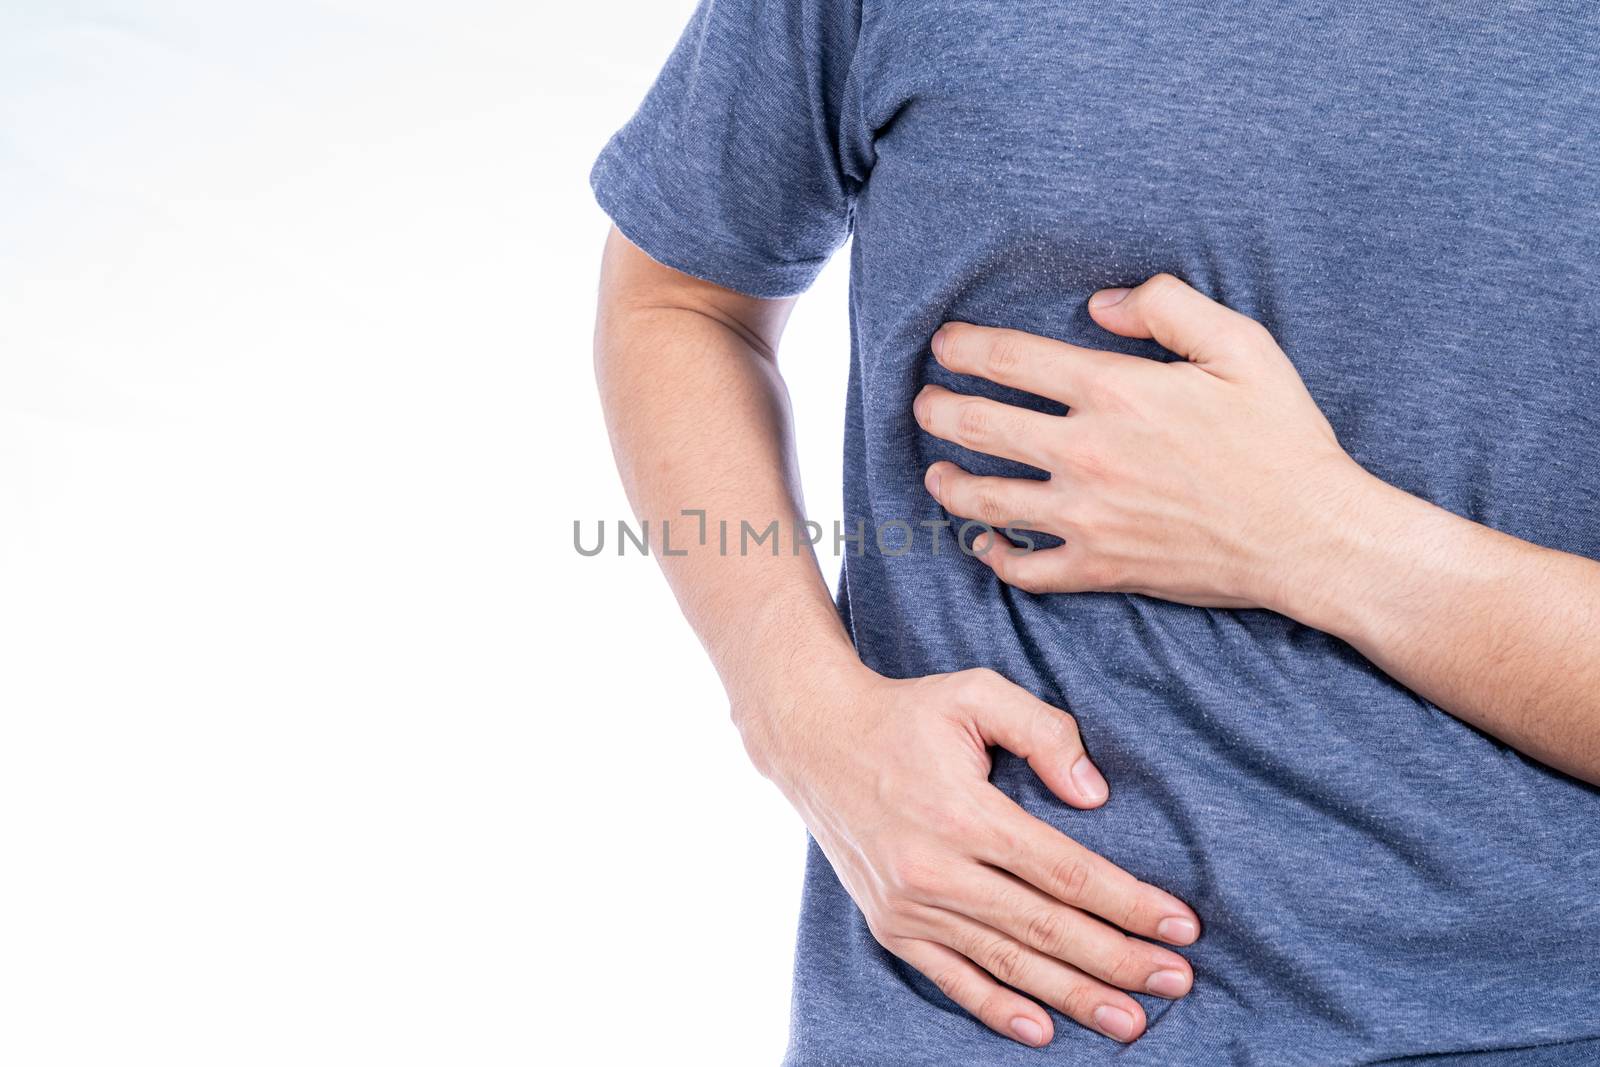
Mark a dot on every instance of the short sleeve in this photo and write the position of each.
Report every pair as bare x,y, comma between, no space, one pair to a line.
741,165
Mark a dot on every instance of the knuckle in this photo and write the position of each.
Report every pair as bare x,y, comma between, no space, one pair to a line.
937,683
1076,1001
983,832
1256,337
1128,968
1046,929
1062,730
1000,834
1006,961
880,935
1162,286
973,686
972,423
993,1006
958,827
1003,357
899,912
911,879
949,981
991,508
1069,879
1140,914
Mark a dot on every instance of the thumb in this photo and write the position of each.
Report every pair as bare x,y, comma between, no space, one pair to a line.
1047,737
1182,320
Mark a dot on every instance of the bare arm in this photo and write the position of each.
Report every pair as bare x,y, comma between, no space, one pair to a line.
699,420
1217,481
1499,632
891,776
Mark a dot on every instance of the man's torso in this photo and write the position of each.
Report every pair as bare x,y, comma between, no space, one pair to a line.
1406,195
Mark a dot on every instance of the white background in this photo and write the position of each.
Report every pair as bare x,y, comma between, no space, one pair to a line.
319,744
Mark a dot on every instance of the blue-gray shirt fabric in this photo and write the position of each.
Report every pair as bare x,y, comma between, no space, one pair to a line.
1408,196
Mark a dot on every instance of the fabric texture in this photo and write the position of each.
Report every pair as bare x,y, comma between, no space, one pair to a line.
1408,196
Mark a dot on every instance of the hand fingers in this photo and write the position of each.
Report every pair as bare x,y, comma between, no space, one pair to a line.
1074,994
1182,320
1002,1010
1007,715
1072,936
1045,570
1025,361
1001,503
988,426
1043,856
1068,569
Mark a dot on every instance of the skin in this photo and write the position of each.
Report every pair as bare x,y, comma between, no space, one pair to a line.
1212,481
1216,481
998,909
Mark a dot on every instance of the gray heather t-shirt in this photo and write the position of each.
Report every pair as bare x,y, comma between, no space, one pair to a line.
1408,196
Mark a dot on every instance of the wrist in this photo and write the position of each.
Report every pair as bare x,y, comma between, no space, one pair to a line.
1346,534
790,683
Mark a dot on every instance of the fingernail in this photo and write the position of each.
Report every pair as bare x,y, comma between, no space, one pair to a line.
1168,984
1027,1031
932,480
1107,297
1114,1021
1090,782
937,344
1177,931
919,406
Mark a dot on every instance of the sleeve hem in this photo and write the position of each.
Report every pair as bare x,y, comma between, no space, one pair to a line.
646,219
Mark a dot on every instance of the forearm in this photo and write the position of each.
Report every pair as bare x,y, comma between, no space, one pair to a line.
1501,633
699,421
889,775
1217,481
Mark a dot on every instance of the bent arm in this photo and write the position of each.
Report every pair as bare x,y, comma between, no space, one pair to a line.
889,775
699,421
1152,473
1499,632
